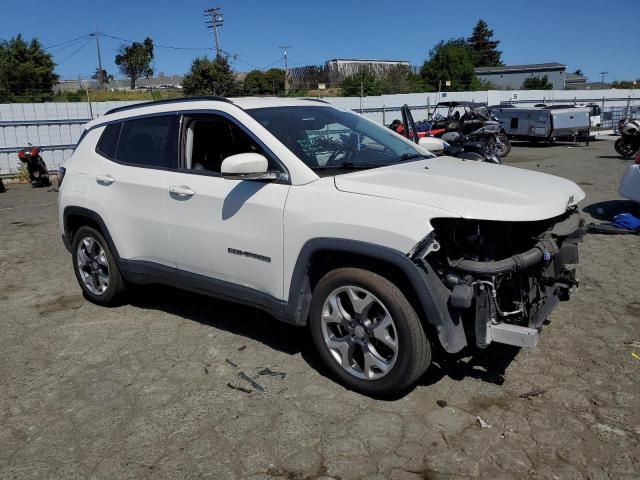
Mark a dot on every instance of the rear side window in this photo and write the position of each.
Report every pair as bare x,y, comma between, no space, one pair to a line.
109,141
146,142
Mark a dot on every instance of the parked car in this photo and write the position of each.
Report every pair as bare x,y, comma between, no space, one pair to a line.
323,219
630,181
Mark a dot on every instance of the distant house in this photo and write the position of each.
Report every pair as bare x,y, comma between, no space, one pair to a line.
334,71
511,77
575,82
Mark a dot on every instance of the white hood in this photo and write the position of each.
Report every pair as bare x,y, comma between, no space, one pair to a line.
469,189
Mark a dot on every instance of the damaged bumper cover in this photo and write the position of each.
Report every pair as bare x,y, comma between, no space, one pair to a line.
504,300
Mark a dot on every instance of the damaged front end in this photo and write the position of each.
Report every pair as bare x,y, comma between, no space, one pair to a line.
502,279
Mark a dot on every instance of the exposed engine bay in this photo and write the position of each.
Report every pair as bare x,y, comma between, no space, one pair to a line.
503,278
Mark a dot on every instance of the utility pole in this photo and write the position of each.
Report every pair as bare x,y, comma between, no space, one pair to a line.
286,67
100,77
603,74
214,21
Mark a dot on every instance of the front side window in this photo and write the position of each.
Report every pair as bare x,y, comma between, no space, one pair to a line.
212,138
326,138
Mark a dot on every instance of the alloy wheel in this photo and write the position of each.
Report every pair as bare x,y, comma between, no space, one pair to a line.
93,266
359,332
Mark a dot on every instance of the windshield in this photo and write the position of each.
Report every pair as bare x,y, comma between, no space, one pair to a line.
328,139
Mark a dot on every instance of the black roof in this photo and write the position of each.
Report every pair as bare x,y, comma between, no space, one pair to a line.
520,68
212,98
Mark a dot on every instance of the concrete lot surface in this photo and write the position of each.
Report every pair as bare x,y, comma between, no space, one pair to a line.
142,390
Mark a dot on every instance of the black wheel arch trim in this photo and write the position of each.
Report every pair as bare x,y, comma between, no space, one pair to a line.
430,291
91,215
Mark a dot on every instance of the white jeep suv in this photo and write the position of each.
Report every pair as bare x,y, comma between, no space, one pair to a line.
321,218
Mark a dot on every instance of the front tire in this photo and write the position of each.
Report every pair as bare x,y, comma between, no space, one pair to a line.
625,149
367,332
95,267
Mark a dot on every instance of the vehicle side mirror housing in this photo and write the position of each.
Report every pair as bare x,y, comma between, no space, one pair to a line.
245,166
433,144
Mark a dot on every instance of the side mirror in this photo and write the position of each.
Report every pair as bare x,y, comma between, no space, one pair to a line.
433,144
246,166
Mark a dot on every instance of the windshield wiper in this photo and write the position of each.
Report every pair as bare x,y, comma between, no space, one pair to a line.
411,156
350,166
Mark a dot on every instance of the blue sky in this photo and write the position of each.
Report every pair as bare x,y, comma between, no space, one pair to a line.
582,34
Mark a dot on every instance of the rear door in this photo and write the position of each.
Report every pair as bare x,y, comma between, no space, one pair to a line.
126,181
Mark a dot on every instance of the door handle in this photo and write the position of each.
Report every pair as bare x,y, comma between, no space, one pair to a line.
105,179
181,191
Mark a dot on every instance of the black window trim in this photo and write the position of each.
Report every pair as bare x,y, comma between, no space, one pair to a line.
180,125
140,117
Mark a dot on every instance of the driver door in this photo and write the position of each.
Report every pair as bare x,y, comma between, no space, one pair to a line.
227,230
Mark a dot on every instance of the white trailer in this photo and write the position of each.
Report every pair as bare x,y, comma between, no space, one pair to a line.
548,123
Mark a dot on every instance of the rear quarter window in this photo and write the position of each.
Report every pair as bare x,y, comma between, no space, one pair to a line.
108,143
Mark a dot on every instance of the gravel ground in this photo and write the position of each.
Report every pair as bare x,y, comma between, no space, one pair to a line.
142,390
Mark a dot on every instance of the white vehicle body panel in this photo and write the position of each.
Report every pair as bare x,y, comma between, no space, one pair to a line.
132,206
630,183
244,216
469,189
320,210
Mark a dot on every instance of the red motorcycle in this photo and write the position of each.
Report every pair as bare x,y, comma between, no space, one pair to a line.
38,173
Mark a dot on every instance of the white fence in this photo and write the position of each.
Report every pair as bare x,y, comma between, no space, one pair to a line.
57,126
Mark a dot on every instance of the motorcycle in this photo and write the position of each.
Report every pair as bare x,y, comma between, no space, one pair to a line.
476,122
450,143
461,146
38,173
629,142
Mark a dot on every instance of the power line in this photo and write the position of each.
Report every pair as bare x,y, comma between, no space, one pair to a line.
170,47
75,51
69,41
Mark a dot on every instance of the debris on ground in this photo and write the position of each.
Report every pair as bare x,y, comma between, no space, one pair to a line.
231,363
242,348
250,380
635,355
532,393
441,403
235,387
482,423
206,370
271,373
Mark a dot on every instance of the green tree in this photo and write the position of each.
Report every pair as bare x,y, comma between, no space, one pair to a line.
210,77
106,77
135,60
363,82
624,84
484,49
537,83
274,81
451,60
26,71
254,83
578,72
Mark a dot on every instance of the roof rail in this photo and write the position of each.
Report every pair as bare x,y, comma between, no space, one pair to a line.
315,100
211,98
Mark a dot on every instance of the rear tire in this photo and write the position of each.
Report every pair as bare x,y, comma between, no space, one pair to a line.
95,267
367,332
